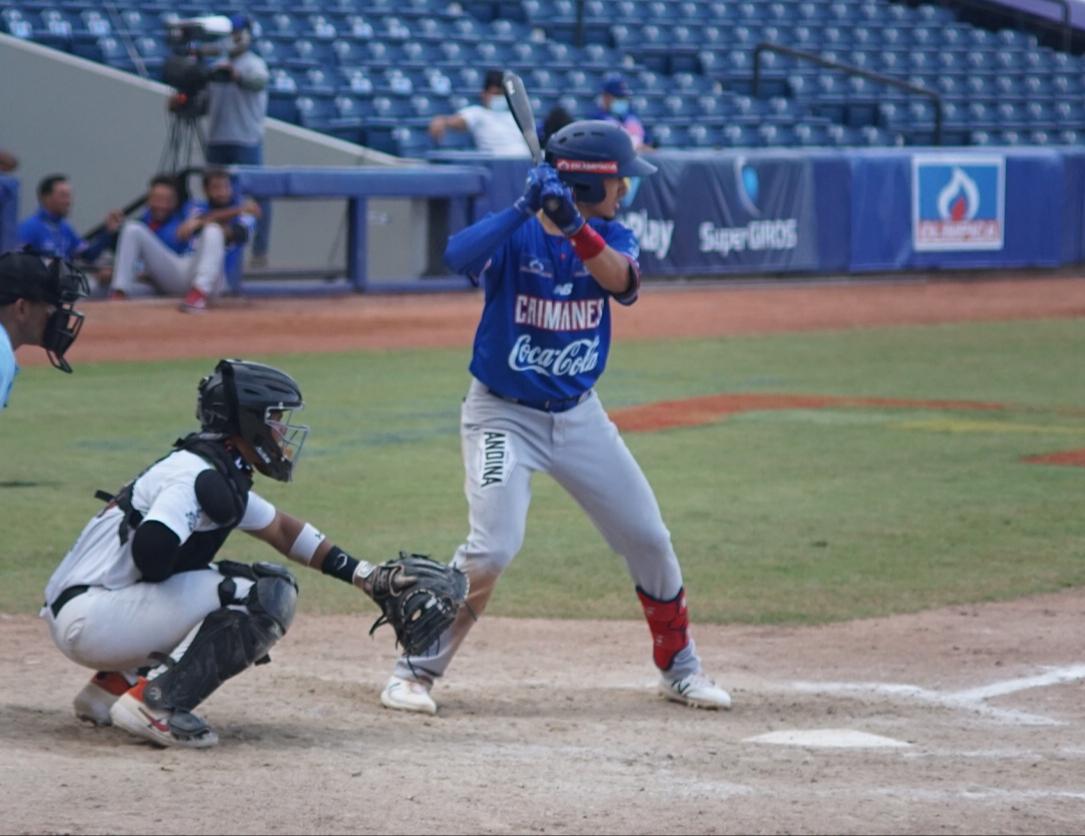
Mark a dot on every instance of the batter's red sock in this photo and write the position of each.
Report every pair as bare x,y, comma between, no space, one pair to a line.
669,624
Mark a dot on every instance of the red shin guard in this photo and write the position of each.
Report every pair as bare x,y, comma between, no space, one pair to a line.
669,624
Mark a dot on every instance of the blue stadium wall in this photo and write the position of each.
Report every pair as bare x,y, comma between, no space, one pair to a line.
826,212
847,211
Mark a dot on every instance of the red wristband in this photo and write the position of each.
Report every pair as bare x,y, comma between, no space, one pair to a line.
587,242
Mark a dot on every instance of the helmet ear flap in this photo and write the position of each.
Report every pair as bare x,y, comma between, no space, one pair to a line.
216,401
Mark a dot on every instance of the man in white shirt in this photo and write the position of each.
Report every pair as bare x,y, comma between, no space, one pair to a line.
37,298
490,123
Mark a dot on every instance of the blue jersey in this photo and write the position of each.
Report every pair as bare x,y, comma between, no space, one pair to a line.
167,230
234,252
8,367
51,235
545,328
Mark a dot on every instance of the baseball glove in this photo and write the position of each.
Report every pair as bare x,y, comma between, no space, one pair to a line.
419,597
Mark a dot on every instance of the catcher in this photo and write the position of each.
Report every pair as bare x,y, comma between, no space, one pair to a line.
138,599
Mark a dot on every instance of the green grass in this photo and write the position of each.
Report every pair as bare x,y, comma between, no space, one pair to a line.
794,516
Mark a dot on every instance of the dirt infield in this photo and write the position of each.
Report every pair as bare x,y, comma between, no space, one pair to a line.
154,329
553,727
543,731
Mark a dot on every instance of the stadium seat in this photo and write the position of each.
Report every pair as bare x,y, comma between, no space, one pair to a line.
316,82
437,83
679,107
415,55
315,113
809,135
736,136
356,81
393,29
675,54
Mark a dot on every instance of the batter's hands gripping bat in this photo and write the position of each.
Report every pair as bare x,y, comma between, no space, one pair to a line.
522,113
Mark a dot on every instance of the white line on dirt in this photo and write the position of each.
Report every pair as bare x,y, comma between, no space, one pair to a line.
983,794
972,699
1055,676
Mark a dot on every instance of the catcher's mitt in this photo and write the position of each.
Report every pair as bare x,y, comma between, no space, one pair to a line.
419,597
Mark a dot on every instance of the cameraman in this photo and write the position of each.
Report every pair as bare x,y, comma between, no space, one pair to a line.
235,100
237,107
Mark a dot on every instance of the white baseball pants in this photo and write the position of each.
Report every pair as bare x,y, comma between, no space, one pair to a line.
503,445
171,273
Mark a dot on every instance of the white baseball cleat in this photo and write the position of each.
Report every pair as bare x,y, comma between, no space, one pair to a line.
97,697
407,695
161,727
695,690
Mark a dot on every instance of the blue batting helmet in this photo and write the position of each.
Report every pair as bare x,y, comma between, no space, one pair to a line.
585,153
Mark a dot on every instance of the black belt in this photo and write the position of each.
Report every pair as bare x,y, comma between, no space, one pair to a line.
553,405
65,596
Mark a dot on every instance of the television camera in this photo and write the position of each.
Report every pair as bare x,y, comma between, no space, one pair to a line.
196,46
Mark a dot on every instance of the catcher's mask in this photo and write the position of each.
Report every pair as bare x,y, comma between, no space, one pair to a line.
38,278
255,402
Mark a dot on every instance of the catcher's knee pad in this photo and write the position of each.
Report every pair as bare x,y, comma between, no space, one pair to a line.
276,598
669,623
228,641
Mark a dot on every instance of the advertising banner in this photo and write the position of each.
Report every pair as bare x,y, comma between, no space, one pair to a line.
725,213
958,202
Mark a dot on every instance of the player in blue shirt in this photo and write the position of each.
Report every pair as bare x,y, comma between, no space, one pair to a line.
37,298
550,265
48,232
152,242
194,251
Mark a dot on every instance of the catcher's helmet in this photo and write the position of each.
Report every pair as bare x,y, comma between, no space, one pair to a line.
587,152
255,402
25,274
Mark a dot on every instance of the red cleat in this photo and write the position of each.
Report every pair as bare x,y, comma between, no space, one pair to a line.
195,301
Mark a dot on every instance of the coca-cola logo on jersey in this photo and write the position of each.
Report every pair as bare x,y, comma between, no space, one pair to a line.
576,358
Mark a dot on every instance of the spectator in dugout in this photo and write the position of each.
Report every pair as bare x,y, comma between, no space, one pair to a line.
490,122
614,106
190,250
48,231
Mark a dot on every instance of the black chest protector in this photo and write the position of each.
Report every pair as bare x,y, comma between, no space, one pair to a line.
223,494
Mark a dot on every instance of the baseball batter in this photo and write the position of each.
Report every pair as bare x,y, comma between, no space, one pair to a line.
138,599
542,343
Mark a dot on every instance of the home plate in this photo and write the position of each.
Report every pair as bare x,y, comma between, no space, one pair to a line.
827,739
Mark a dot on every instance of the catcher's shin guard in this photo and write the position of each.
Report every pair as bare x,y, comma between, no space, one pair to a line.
228,641
669,624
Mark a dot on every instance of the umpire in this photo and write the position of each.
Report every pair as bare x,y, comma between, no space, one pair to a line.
37,307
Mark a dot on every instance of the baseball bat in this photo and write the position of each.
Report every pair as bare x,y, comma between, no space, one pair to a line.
524,116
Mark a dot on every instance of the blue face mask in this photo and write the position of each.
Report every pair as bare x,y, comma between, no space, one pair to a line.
499,104
619,107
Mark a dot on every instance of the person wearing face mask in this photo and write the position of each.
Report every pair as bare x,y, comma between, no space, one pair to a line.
490,122
614,106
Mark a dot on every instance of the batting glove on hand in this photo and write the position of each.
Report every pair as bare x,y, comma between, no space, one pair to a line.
560,207
531,201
